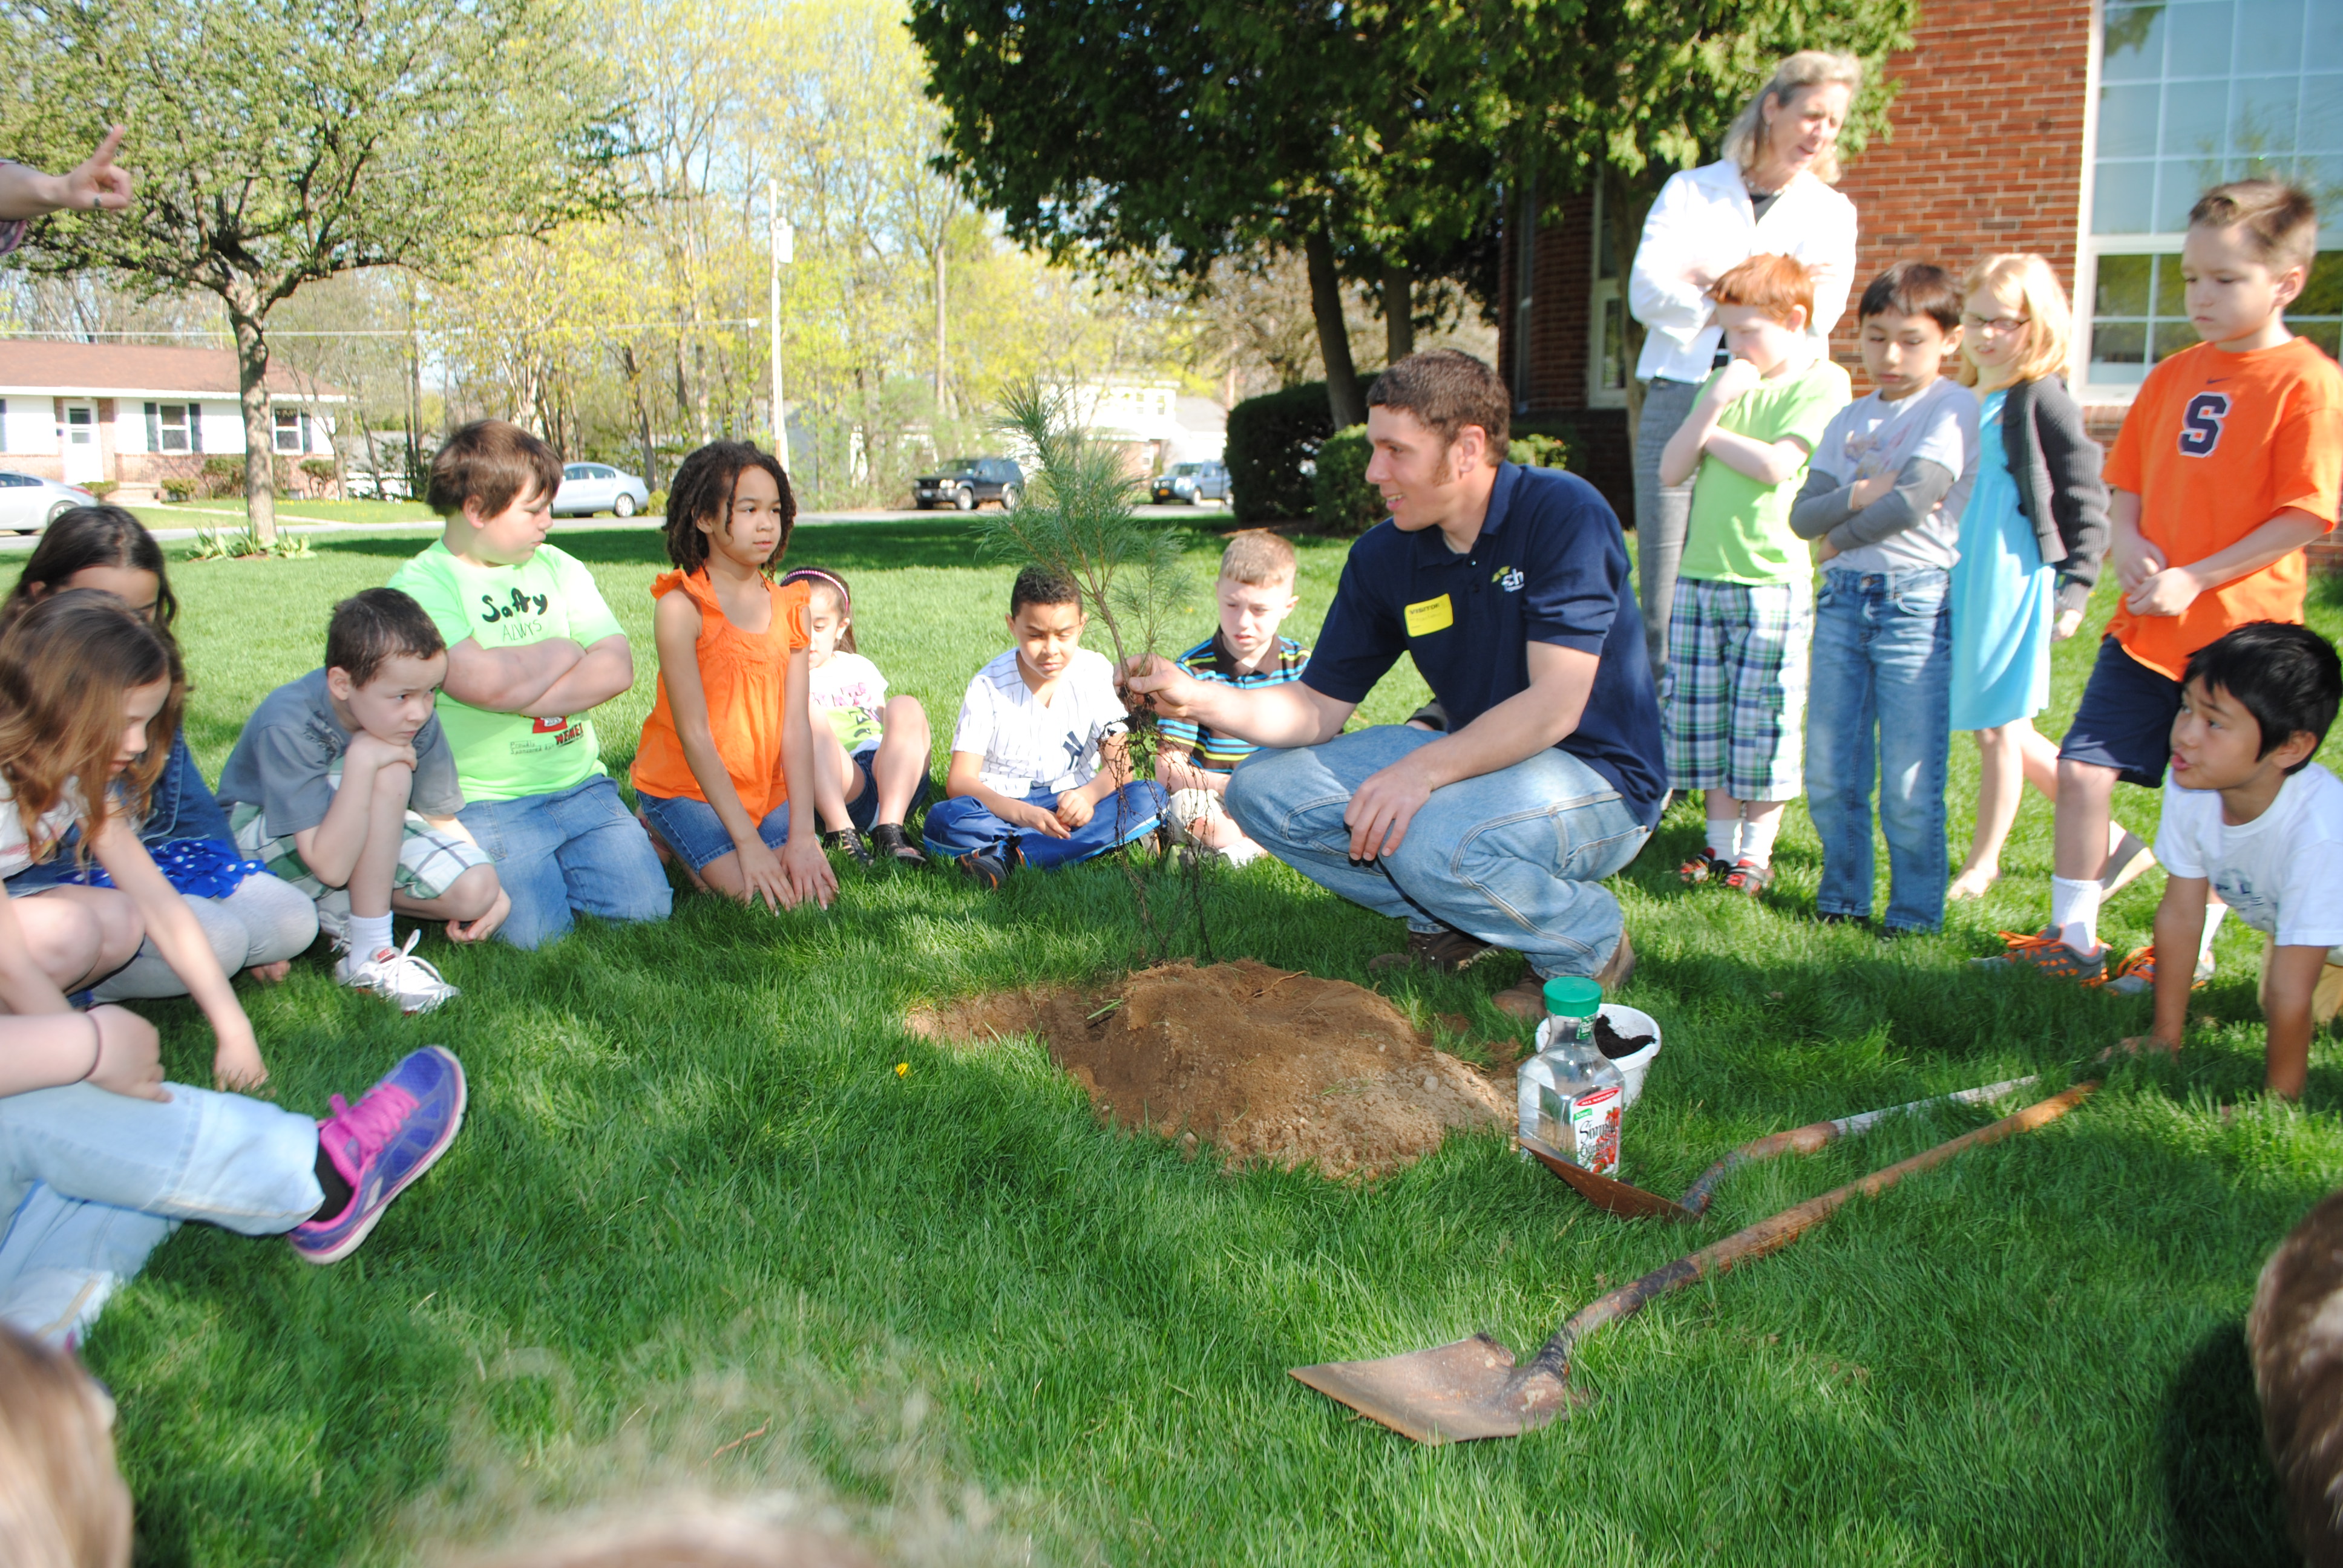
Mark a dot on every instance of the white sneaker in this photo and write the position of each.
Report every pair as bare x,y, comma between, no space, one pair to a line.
334,925
396,974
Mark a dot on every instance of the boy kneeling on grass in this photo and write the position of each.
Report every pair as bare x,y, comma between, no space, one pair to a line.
1040,767
1256,594
2248,814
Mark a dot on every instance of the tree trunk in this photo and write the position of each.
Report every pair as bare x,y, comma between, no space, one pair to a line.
260,428
940,329
1399,312
1343,400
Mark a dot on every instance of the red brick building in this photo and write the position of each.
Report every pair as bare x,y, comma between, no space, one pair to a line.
2079,129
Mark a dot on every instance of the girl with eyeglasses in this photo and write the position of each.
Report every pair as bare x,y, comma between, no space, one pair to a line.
2032,537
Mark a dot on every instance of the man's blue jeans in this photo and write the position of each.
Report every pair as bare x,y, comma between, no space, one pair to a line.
91,1182
578,849
963,824
1515,858
1880,704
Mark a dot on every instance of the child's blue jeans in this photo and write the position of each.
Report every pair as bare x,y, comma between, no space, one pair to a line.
1880,705
962,825
578,849
91,1182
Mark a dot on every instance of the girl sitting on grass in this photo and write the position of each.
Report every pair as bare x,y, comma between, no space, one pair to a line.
729,740
83,679
2032,536
871,765
254,920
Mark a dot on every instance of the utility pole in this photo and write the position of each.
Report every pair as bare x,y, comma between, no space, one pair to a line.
940,325
783,248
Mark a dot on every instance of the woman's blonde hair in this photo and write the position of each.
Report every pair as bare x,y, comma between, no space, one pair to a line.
67,666
63,1504
1745,139
2049,323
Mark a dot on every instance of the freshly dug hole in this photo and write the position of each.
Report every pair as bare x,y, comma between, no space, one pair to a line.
1261,1063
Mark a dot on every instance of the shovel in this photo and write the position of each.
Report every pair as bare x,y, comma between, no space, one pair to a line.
1472,1389
1617,1197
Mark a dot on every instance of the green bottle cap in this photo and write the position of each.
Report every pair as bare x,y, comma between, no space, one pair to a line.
1570,997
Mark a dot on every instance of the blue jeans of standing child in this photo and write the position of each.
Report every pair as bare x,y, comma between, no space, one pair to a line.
92,1182
962,825
578,849
1515,858
1881,704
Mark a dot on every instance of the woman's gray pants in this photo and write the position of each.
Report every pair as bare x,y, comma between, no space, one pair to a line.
1661,512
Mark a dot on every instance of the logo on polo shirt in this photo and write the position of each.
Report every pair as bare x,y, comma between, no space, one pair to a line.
1509,579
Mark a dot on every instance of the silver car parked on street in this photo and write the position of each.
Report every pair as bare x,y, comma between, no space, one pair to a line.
590,487
29,503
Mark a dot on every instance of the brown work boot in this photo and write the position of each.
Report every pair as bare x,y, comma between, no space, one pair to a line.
1447,950
1526,1000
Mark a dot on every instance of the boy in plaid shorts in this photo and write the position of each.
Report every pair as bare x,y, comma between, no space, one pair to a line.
343,785
1734,692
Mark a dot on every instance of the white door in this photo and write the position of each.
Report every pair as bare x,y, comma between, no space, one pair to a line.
79,439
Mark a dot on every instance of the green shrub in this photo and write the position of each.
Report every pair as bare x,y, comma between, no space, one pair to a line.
1271,440
1539,452
102,489
657,506
223,476
1344,502
180,489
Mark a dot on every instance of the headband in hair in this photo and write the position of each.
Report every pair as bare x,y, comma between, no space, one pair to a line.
845,600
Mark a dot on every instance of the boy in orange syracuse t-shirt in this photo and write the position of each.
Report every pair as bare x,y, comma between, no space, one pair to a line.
2229,463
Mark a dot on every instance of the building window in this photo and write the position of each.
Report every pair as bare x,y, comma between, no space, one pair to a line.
290,432
171,427
2190,94
1606,310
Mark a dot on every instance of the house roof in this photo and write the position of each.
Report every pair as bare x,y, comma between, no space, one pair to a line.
32,367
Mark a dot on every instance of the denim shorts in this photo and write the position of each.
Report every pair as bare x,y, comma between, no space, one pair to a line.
2126,720
863,809
693,829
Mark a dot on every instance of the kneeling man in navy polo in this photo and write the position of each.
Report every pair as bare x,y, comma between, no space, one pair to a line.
1509,588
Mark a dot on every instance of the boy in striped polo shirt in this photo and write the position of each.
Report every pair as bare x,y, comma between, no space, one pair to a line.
1256,594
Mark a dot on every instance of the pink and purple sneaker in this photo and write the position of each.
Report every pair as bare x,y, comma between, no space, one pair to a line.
381,1144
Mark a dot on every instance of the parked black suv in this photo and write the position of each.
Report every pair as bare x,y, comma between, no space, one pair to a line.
963,482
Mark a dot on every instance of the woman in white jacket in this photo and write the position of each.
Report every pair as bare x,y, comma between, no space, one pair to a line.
1769,194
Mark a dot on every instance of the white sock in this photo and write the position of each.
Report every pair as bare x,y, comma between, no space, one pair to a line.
2074,911
1757,840
1243,852
1725,838
2213,913
370,934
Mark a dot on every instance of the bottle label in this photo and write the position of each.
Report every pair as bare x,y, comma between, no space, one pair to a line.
1594,1129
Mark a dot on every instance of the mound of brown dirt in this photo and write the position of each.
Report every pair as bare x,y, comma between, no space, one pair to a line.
1260,1062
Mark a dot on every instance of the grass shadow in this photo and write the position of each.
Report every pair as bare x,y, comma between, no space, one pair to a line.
2220,1494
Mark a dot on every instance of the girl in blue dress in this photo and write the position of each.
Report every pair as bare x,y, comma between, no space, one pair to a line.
2032,537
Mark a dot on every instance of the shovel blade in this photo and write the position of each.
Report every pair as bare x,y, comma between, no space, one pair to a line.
1456,1394
1612,1196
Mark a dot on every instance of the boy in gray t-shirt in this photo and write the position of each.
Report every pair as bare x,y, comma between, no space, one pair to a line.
1883,501
343,785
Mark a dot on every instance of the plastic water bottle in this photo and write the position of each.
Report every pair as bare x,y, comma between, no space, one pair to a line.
1568,1096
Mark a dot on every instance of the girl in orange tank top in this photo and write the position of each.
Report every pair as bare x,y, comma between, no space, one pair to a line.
728,743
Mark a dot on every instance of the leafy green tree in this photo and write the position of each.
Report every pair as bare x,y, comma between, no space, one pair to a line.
280,142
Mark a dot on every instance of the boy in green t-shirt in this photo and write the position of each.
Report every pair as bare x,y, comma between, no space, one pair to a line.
531,648
1734,692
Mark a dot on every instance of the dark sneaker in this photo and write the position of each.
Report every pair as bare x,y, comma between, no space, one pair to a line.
1748,878
1447,950
1526,999
2046,951
987,872
847,841
381,1144
1618,966
894,847
1708,865
2135,976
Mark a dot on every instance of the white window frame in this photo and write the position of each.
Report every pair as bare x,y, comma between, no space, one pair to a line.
280,429
1603,294
188,414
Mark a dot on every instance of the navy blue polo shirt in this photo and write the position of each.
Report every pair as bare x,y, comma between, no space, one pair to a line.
1549,566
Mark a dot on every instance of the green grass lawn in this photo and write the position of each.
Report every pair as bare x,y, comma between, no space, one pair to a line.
700,1237
202,513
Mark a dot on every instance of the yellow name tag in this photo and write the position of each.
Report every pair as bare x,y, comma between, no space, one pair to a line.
1432,615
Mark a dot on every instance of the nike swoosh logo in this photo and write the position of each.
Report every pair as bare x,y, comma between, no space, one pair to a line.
2215,380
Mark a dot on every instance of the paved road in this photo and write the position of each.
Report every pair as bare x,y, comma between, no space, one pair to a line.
23,545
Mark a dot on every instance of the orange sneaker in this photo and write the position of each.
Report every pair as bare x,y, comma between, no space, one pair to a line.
2047,951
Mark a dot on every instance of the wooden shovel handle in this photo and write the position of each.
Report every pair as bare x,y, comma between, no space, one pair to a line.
1780,1229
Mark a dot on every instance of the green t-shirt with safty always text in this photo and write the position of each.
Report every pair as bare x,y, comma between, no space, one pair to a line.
503,756
1740,528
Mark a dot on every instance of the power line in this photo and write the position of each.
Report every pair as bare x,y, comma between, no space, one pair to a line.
678,326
